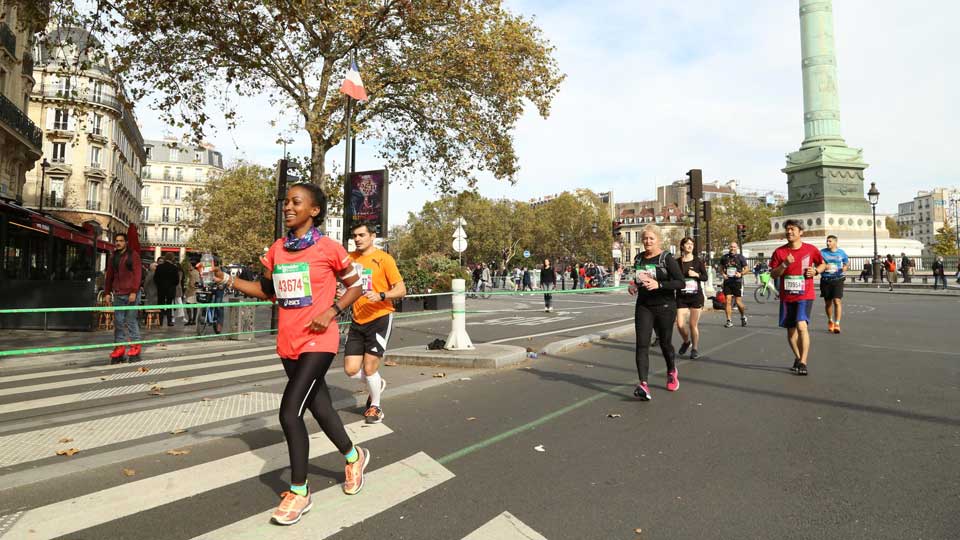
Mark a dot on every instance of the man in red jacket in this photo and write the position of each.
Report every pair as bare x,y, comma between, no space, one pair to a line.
123,289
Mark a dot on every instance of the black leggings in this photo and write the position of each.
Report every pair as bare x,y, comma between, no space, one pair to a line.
307,389
661,318
165,298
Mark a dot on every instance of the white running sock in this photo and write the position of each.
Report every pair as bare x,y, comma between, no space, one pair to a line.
373,384
359,375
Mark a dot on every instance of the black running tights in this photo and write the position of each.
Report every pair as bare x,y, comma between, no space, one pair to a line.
661,319
307,389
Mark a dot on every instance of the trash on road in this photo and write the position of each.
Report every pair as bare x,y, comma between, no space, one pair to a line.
614,415
178,452
471,418
129,472
539,448
142,369
439,375
178,431
465,379
68,452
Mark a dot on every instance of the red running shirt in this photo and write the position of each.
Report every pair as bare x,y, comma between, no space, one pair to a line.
305,283
794,287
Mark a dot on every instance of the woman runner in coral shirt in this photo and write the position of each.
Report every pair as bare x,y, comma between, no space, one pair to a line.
301,274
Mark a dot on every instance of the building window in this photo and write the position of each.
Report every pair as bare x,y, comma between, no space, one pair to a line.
174,154
198,175
163,234
180,173
59,152
146,214
61,119
176,235
97,91
146,172
166,193
198,157
95,156
145,194
97,127
166,215
166,173
65,87
93,196
178,214
149,150
178,194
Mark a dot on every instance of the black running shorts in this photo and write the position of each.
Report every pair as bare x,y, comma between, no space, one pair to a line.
690,301
370,338
733,287
831,288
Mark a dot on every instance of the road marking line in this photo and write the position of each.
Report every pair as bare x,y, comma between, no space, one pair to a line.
153,373
505,527
333,511
91,434
72,515
560,331
146,362
126,390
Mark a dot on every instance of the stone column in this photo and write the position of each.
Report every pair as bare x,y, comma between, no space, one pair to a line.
821,98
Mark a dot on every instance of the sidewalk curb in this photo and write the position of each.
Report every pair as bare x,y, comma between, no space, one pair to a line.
565,345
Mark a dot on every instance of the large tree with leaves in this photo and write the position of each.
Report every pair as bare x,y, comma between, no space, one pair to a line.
728,212
945,241
234,214
447,79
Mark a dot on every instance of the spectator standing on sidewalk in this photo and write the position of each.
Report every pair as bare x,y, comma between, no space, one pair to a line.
905,266
891,267
123,286
548,282
149,287
939,274
166,278
485,277
191,276
527,279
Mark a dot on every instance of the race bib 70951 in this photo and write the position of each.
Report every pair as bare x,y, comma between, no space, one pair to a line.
291,283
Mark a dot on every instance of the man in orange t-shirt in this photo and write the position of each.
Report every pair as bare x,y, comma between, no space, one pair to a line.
372,316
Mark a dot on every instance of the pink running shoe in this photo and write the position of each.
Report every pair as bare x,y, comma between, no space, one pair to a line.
673,382
642,392
291,508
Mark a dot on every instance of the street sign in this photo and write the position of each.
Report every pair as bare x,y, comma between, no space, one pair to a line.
459,233
526,254
617,253
460,222
459,245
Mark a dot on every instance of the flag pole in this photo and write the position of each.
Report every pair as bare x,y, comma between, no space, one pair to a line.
346,167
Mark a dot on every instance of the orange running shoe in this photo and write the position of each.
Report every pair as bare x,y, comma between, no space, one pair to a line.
836,328
292,508
354,472
830,326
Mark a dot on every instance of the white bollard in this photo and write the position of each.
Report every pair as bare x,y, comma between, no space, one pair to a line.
458,340
616,278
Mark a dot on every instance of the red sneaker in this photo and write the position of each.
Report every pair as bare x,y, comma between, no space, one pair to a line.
134,351
117,352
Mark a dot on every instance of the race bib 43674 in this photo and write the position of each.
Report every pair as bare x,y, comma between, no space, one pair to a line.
291,283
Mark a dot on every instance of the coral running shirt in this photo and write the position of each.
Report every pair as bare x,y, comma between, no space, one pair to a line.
794,287
378,273
305,283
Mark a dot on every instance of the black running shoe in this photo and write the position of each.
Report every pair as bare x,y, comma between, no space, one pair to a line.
694,354
642,392
743,321
802,369
684,347
796,365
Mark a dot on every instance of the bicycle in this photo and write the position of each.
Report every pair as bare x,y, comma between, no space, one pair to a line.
766,289
208,316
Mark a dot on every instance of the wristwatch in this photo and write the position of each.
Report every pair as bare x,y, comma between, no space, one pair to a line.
383,296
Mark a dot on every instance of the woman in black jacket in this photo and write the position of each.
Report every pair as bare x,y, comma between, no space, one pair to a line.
655,285
548,282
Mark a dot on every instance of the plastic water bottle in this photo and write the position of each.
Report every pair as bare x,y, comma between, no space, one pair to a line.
206,269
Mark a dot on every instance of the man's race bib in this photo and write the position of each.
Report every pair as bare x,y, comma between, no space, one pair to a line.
691,286
366,277
794,284
832,268
648,269
291,283
732,271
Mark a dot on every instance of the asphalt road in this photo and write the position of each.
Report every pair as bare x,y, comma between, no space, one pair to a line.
867,446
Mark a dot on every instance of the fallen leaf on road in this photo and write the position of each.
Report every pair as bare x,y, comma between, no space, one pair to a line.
65,440
103,378
182,452
471,418
539,448
142,369
439,375
614,415
178,431
390,363
68,452
638,530
129,472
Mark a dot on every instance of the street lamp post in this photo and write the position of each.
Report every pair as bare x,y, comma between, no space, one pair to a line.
43,177
956,219
874,197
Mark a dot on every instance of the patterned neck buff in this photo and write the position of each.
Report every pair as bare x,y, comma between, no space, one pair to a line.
292,243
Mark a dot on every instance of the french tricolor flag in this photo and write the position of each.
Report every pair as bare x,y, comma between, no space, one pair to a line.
353,85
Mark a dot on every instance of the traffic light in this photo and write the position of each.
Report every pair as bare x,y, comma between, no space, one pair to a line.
695,184
707,211
741,233
615,227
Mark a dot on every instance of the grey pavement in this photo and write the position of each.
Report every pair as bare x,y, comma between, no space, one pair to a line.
865,447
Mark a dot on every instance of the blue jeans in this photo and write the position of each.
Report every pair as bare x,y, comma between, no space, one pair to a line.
125,326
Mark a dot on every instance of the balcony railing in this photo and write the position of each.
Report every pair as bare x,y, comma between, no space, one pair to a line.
75,95
28,65
15,119
8,39
53,201
93,205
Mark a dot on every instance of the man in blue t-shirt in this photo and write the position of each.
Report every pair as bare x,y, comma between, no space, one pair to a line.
831,282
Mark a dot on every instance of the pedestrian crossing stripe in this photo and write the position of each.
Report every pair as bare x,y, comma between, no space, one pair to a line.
145,362
79,513
333,511
504,527
134,389
153,374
